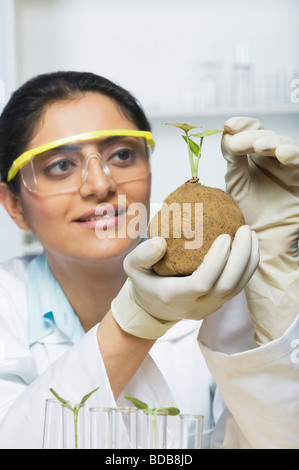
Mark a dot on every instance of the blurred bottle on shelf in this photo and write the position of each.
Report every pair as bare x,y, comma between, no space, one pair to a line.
242,83
206,92
276,86
200,89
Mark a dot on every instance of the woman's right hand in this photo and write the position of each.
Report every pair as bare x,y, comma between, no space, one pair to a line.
149,304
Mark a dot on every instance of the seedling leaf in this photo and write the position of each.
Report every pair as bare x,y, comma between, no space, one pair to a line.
138,403
185,127
207,132
193,146
62,400
172,411
85,398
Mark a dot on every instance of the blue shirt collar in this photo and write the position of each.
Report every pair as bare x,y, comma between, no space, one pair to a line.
48,307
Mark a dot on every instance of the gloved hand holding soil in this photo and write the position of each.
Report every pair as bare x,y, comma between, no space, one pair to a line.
193,216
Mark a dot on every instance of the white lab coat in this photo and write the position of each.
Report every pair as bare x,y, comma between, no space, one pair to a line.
260,386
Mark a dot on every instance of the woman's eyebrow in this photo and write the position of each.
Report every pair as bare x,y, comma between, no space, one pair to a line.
111,138
73,146
66,147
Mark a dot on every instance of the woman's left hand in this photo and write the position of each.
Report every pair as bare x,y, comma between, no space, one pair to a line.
263,178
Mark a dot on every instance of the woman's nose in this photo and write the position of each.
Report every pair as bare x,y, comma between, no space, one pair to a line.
96,177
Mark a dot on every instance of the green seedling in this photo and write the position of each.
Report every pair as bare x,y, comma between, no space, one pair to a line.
140,405
74,409
194,149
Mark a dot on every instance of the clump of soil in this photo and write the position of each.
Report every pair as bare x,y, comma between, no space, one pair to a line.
220,214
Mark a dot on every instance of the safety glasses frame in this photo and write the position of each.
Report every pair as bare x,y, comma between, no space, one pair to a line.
26,156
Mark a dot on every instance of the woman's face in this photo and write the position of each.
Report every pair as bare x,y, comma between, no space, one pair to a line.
68,224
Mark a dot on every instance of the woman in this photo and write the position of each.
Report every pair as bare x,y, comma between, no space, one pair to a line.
74,161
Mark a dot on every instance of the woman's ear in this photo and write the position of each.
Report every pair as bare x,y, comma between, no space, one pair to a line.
12,205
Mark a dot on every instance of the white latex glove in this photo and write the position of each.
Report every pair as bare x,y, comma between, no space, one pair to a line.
263,178
149,304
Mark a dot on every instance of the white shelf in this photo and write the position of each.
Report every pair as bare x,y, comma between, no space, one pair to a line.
291,109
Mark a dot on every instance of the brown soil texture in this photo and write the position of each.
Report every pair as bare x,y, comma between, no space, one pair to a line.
220,215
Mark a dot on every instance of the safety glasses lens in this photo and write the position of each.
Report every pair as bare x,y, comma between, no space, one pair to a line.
65,168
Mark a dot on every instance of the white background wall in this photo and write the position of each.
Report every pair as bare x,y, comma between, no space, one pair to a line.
9,235
165,52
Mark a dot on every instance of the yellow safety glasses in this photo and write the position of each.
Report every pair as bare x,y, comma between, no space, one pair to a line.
42,150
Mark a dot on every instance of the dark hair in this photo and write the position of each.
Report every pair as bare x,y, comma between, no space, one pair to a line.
26,105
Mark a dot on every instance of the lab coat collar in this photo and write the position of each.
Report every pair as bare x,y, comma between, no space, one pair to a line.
48,307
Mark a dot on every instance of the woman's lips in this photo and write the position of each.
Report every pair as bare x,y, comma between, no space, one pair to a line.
103,217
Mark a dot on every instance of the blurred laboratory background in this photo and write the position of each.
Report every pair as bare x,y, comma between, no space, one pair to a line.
193,61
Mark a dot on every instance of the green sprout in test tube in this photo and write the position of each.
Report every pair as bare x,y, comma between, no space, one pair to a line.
74,409
140,405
